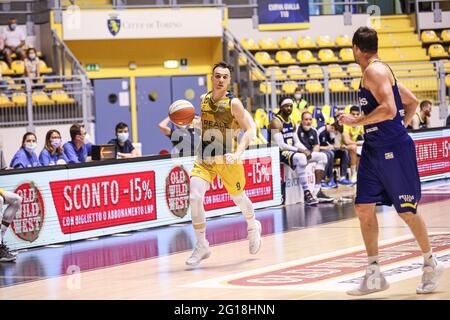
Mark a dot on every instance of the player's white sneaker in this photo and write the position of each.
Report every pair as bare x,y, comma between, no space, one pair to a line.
201,252
430,278
373,281
254,237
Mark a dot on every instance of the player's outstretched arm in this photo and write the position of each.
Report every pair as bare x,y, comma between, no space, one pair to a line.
410,104
164,127
246,123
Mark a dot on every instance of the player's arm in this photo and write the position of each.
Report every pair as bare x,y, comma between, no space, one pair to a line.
164,127
410,103
415,122
246,123
377,79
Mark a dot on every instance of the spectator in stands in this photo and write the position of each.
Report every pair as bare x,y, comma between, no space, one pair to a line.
14,39
32,64
124,147
184,139
3,164
353,139
77,149
327,135
421,120
299,102
448,121
53,152
26,157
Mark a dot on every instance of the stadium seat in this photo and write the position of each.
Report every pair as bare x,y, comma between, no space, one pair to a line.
242,59
19,99
41,98
289,87
324,42
421,84
295,73
230,45
355,84
60,96
267,44
257,75
445,35
354,70
447,66
313,86
305,42
287,43
264,58
261,118
336,71
43,69
447,80
311,109
437,51
343,41
337,85
429,36
18,66
267,89
5,102
415,70
314,71
51,86
305,56
327,55
6,71
249,44
279,74
12,85
329,117
284,57
346,54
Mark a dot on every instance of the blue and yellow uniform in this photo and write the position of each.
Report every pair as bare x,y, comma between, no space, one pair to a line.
288,137
387,172
219,136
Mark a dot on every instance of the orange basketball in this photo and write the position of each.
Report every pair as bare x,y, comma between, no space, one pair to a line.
181,112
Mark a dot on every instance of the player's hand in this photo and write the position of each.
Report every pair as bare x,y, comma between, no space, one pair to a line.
307,154
347,119
231,158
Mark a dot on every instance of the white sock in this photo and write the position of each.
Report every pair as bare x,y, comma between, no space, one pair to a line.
373,260
428,259
246,206
353,170
201,235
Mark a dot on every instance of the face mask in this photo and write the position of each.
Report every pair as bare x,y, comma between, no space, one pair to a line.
123,136
32,56
87,138
55,143
12,27
30,146
298,96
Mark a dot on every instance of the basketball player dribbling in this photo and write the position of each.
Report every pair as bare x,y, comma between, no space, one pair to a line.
222,118
388,172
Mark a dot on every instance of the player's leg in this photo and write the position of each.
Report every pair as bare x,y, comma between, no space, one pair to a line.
14,202
353,162
321,162
343,156
329,170
299,162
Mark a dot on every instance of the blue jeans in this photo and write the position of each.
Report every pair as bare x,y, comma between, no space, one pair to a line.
336,154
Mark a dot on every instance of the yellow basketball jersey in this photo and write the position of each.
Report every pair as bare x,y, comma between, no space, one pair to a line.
219,128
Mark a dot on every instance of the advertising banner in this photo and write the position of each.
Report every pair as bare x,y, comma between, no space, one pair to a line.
283,14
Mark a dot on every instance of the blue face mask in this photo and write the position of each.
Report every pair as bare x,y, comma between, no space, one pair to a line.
12,27
30,147
122,136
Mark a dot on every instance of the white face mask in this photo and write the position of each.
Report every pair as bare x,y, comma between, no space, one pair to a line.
87,138
122,136
298,96
12,26
30,147
32,56
55,143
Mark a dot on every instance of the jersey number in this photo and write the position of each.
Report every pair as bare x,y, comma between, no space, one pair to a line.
238,186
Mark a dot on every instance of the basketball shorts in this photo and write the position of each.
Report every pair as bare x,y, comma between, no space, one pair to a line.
389,176
287,157
232,175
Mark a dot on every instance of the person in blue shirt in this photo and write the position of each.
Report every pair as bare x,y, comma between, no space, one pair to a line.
124,147
77,150
53,152
26,157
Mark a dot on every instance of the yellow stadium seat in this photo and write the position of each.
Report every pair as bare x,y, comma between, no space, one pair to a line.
327,55
337,85
305,56
12,85
261,118
447,66
447,80
416,70
429,36
437,51
324,42
314,71
267,44
18,66
336,71
287,43
313,86
60,96
43,69
5,102
267,89
355,84
51,86
310,109
354,70
41,98
257,75
347,108
279,74
305,42
264,58
249,44
445,35
284,57
19,99
346,54
6,71
289,87
230,45
295,72
421,84
326,111
343,41
242,59
296,116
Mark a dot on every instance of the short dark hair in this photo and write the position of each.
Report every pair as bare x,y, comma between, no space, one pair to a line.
223,64
338,127
26,135
425,103
306,112
121,125
355,108
299,88
366,39
75,130
31,49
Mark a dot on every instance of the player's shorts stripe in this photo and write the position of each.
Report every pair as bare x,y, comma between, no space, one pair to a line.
404,205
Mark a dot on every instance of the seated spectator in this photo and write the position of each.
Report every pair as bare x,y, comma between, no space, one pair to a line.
77,150
53,152
184,139
448,121
14,39
26,157
32,64
327,135
353,139
421,120
3,164
124,147
299,101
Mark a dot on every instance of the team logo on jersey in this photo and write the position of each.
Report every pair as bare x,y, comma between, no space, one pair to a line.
389,155
363,101
114,24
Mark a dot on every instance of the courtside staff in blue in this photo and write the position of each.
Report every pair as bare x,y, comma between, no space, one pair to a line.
77,150
25,157
387,172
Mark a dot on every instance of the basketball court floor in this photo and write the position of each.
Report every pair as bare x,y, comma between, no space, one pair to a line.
307,253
